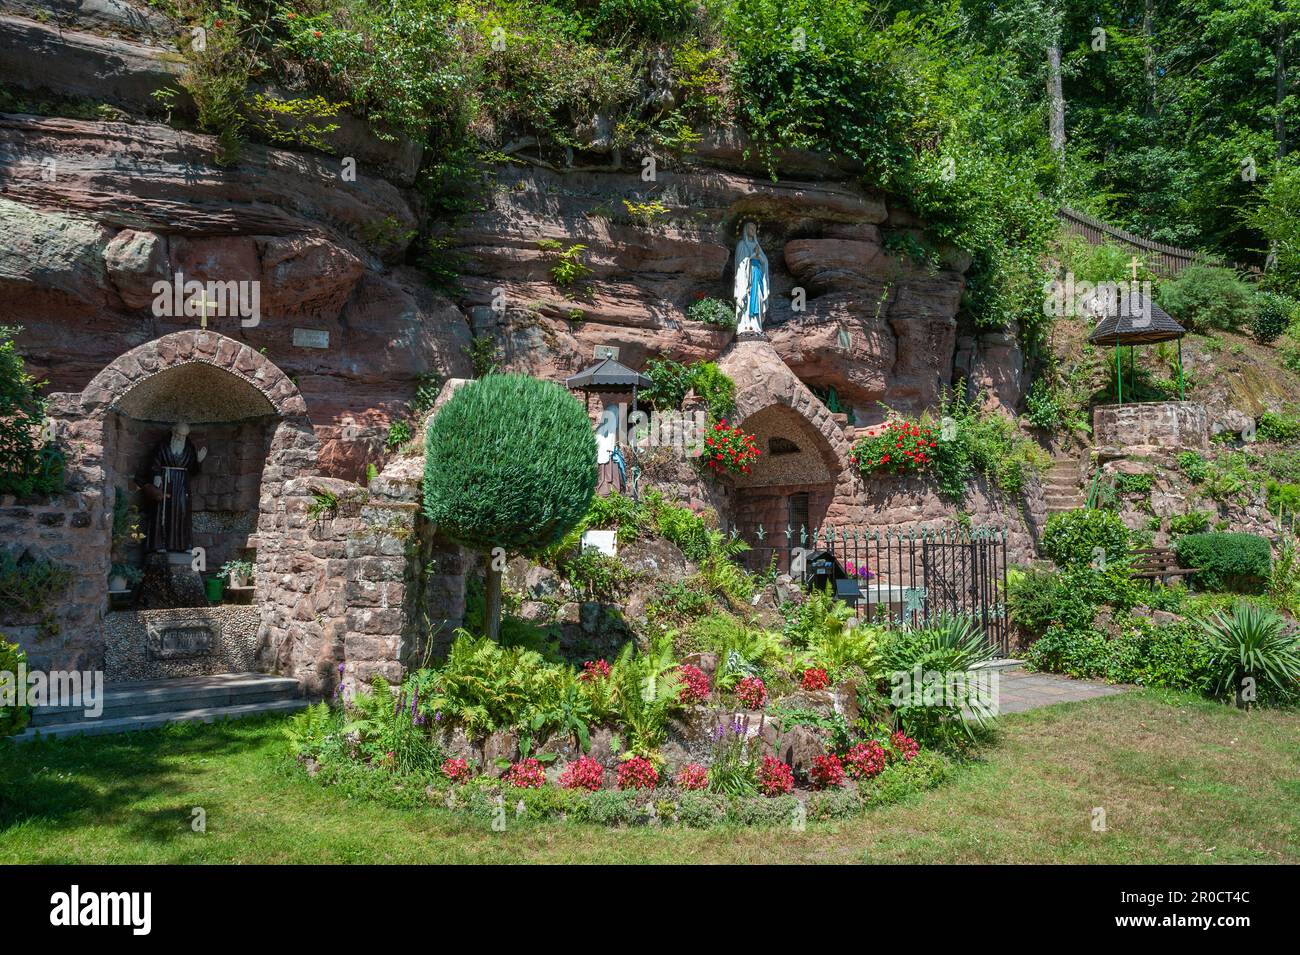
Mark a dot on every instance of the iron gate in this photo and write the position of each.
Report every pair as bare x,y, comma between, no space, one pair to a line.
904,577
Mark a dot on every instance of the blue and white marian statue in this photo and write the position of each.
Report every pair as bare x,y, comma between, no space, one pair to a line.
752,281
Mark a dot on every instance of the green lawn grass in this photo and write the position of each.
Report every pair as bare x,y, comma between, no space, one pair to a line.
1181,780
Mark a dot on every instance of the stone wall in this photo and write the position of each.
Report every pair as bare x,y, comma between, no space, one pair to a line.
134,651
1150,426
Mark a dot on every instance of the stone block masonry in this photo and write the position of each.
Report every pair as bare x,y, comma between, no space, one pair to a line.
1150,426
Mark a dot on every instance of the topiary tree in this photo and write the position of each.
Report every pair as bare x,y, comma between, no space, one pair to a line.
510,463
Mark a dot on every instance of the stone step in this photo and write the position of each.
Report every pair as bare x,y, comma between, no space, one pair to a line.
164,696
154,720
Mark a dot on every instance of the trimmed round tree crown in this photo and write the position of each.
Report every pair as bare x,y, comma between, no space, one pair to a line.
510,461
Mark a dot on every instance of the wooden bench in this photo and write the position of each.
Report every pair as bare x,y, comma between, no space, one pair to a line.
1158,563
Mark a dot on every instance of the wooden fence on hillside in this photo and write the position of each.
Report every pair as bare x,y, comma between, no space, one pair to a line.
1166,261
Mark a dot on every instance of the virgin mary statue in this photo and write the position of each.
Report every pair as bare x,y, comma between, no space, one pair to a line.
752,284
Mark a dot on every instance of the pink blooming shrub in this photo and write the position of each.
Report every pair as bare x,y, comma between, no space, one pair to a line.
594,670
815,678
864,760
695,684
775,778
751,692
827,771
637,773
528,774
583,773
905,746
692,776
457,770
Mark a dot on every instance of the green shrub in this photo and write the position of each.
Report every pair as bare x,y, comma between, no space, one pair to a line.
672,380
28,585
1072,538
1193,522
26,467
13,719
1207,296
597,576
622,19
1284,428
1083,654
1273,314
1283,498
1038,600
681,526
1194,466
713,311
1176,656
395,65
399,432
1134,483
510,463
1043,406
971,440
1225,561
944,645
1253,645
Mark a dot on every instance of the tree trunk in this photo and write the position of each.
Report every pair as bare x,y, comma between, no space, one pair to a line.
1279,80
1149,54
1055,98
492,601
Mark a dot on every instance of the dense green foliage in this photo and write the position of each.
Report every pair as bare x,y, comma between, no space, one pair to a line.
672,380
1205,297
985,442
1085,537
510,462
27,465
13,719
1176,656
1224,561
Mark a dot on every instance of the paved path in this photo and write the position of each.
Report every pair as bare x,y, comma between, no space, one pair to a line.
1019,691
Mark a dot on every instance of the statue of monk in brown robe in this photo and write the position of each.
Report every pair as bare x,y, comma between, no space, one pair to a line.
174,459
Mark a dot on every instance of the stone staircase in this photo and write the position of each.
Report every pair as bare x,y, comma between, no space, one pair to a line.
149,704
1063,485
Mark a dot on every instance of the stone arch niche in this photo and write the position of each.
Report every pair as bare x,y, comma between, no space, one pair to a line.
253,421
811,463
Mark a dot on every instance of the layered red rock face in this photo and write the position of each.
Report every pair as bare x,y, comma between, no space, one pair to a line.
844,312
93,214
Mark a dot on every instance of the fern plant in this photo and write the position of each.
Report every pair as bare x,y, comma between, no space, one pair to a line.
646,688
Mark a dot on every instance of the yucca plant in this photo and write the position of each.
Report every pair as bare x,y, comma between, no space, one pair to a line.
1252,649
946,645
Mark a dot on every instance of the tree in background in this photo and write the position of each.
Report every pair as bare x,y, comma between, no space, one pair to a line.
510,467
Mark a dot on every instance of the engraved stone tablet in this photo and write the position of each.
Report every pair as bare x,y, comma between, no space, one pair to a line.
311,338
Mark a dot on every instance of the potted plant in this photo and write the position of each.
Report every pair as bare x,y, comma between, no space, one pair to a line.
122,577
238,572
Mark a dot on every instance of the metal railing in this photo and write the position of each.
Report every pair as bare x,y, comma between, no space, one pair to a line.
904,578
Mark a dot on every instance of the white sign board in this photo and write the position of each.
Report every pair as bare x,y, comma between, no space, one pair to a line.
604,541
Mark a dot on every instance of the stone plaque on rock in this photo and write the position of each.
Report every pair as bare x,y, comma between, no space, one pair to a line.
605,351
181,640
311,338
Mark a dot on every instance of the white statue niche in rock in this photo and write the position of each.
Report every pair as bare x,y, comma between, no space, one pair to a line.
753,282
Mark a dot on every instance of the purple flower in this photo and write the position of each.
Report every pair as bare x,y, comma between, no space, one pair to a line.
438,716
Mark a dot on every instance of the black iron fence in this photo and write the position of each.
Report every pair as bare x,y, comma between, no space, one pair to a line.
905,577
